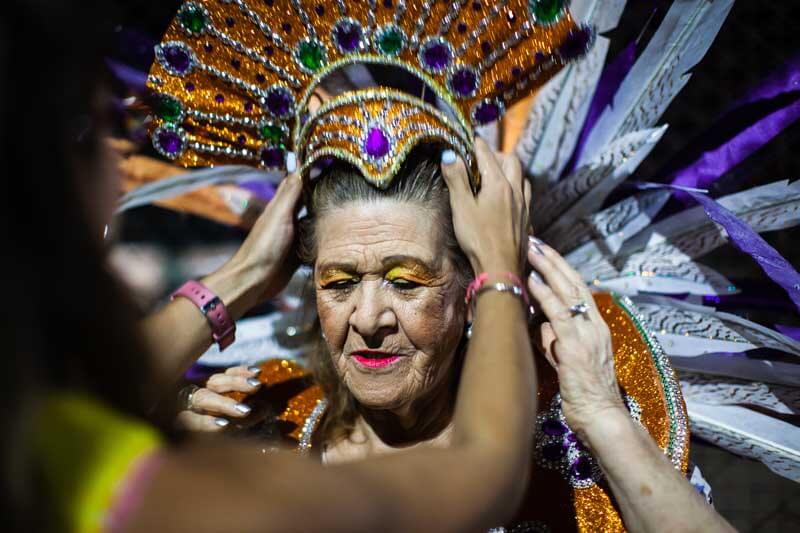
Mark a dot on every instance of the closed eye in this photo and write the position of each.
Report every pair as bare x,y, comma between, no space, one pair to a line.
340,284
403,284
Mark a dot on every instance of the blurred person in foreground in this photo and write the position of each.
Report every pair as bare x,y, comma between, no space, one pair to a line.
79,453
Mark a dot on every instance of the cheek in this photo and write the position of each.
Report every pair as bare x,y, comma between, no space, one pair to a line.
434,322
333,319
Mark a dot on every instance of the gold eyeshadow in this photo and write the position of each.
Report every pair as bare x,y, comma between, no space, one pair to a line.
411,272
335,275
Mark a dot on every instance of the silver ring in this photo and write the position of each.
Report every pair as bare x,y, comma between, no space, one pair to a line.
186,395
580,308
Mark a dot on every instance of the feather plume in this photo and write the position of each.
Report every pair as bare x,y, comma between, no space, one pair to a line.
558,113
581,193
660,73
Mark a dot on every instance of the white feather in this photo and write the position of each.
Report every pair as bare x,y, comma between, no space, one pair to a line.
171,187
660,73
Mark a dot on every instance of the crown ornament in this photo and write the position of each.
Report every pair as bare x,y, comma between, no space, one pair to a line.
233,79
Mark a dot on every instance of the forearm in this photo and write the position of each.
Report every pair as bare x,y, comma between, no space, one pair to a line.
652,494
178,334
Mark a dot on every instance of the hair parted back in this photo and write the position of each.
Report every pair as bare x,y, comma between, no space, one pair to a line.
419,182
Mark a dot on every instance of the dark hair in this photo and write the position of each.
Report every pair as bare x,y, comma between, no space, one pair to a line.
67,324
419,181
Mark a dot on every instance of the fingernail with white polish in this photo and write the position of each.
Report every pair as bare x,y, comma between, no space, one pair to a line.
533,246
537,241
221,422
253,382
448,157
291,162
242,408
254,369
536,278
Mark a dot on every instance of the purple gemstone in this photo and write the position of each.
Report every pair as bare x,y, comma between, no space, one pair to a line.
348,36
516,71
189,86
487,112
208,47
269,2
464,82
170,142
287,28
320,9
377,145
462,27
539,57
177,58
219,98
476,6
272,157
572,437
235,63
388,4
241,139
230,22
554,451
260,78
581,469
486,47
279,103
576,43
436,56
268,50
248,106
499,85
553,427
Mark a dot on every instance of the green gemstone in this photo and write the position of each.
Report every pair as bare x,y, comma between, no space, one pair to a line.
391,42
193,19
546,11
168,109
311,55
272,133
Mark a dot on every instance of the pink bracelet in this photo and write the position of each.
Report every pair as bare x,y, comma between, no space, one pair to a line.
481,279
223,329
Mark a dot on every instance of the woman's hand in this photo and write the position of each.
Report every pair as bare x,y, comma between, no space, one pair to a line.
209,410
489,226
578,345
265,256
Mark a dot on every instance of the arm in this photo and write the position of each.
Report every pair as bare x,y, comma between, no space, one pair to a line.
652,494
473,485
178,334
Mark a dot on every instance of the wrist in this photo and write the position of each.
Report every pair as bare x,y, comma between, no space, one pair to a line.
238,284
606,426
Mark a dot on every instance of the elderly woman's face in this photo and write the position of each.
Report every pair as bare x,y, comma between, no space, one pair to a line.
388,300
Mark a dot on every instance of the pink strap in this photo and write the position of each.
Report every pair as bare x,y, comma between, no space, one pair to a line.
223,329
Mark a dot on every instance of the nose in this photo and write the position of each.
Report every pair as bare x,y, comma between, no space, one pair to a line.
373,317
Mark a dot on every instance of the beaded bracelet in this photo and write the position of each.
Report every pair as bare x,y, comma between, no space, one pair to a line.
480,280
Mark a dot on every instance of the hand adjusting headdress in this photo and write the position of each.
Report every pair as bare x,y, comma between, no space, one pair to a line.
233,79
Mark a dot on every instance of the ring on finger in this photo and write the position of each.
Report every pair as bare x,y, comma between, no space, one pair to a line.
186,395
580,308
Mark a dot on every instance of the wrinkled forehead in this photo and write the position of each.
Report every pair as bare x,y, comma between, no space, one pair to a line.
368,234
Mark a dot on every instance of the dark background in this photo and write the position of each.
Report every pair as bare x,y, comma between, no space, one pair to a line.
757,39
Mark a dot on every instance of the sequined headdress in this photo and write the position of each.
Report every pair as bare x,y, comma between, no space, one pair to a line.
233,78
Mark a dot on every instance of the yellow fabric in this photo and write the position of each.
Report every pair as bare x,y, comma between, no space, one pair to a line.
86,450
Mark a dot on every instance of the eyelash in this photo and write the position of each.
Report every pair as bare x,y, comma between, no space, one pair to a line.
347,284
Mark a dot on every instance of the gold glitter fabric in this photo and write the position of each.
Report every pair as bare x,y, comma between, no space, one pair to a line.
300,402
232,79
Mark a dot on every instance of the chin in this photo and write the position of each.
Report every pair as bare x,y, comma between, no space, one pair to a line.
382,389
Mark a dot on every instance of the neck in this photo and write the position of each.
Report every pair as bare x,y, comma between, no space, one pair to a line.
421,420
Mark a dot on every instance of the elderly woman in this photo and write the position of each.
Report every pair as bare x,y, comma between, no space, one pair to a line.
389,277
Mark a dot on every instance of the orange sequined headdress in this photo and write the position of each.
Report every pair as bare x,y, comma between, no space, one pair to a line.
233,79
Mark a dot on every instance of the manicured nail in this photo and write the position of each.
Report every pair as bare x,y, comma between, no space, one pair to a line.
221,422
536,278
253,382
534,245
291,162
242,408
537,241
448,157
254,369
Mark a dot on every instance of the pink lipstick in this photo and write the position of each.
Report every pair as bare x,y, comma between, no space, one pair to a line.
374,359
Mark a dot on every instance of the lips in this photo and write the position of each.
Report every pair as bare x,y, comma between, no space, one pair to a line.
374,359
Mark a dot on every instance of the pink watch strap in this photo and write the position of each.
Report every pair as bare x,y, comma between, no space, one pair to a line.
223,329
